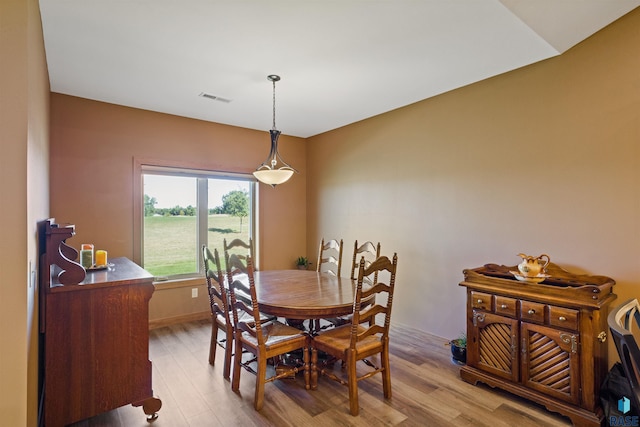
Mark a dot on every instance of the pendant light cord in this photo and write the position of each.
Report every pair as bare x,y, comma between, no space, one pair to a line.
273,78
274,104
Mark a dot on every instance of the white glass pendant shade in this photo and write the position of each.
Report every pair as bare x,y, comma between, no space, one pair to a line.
273,176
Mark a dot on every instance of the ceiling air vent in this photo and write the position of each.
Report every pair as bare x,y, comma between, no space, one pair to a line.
214,97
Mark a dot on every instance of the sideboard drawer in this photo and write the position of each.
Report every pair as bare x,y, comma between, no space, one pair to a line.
531,311
506,306
563,317
481,301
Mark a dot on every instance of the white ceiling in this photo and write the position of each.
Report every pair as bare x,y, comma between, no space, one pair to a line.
341,61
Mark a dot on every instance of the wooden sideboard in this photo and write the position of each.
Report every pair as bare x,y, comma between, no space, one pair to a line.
96,340
545,342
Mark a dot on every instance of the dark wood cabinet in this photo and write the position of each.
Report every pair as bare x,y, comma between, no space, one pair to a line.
545,342
96,342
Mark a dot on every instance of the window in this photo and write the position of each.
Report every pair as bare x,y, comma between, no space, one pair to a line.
183,209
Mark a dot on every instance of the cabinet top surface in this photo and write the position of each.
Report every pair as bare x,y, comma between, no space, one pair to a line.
121,271
561,283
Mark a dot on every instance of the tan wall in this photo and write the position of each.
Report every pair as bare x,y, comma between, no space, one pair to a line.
543,159
24,193
93,147
37,190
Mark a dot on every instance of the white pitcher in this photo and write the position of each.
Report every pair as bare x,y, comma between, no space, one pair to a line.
533,266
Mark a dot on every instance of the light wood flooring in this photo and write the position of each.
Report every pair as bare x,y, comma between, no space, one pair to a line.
427,391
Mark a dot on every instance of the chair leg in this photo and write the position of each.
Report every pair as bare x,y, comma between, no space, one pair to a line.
214,343
228,353
237,361
314,368
386,373
260,382
353,383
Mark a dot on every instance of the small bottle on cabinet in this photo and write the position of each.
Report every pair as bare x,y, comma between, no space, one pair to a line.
86,255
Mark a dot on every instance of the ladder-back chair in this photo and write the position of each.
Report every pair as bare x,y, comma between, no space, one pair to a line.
364,336
241,248
330,257
219,302
370,252
329,261
264,340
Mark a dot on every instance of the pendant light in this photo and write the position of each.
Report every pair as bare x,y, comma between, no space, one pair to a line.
270,171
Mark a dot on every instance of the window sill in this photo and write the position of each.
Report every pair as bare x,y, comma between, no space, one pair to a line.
179,283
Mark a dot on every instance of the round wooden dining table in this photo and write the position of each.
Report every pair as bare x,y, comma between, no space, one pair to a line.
303,294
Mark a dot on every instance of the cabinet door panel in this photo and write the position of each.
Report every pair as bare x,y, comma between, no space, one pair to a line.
493,345
550,361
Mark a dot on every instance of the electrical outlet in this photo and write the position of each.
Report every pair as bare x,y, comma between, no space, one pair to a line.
194,293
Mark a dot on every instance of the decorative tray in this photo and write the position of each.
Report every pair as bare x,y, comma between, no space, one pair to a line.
97,267
556,276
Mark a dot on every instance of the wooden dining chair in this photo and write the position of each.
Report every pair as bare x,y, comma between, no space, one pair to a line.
370,252
241,248
363,337
624,322
264,340
219,302
329,261
330,257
